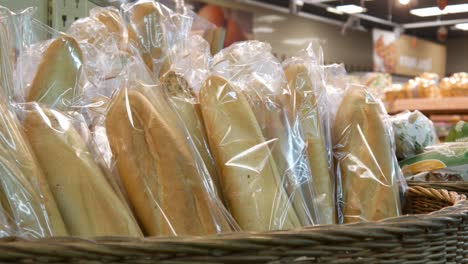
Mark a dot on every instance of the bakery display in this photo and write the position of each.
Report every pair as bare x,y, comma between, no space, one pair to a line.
130,127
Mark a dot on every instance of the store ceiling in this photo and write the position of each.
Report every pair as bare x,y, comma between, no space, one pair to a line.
389,10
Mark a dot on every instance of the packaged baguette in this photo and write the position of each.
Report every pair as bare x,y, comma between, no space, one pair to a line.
85,196
26,200
182,81
259,150
365,157
164,176
86,199
152,27
308,101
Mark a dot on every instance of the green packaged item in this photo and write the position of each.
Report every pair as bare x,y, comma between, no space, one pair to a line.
443,162
413,132
459,133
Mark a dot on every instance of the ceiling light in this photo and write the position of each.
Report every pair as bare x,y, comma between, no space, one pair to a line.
404,2
334,10
435,11
351,9
269,19
263,30
462,26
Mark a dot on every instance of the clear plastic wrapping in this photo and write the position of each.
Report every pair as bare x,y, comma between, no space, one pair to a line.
165,178
442,162
190,66
26,201
152,28
413,132
305,76
257,145
51,86
372,183
90,206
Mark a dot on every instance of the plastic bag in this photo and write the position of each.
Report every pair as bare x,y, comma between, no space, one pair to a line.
442,162
87,201
165,178
306,81
189,68
153,28
372,183
257,145
25,198
413,132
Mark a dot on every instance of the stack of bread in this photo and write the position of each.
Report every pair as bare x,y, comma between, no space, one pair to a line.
126,126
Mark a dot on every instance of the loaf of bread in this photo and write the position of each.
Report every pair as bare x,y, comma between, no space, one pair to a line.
56,81
145,31
185,104
305,105
158,169
366,159
251,183
89,205
27,196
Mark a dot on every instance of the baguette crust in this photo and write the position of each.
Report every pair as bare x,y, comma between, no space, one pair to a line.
58,74
250,180
183,101
370,187
159,171
26,197
89,205
304,104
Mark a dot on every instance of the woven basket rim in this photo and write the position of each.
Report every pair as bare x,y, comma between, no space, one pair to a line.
405,223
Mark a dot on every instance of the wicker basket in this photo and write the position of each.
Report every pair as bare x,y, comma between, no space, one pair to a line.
460,187
438,235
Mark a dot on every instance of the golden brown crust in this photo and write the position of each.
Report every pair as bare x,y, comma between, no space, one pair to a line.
370,187
250,180
158,171
183,99
57,78
305,106
88,204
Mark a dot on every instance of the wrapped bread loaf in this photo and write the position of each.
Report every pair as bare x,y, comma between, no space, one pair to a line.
158,169
251,183
365,158
183,99
26,192
305,105
89,205
58,74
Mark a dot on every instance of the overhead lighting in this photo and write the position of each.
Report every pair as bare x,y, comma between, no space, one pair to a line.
334,10
462,26
351,9
263,30
435,11
270,19
404,2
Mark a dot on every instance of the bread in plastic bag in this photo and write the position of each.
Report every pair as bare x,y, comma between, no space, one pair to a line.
413,132
259,150
309,103
188,70
58,74
88,203
25,198
164,177
365,158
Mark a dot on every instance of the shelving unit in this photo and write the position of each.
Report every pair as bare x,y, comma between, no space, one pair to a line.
431,106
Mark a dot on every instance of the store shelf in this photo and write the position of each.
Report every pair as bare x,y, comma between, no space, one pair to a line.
451,105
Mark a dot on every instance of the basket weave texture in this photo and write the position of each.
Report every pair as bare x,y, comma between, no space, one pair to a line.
439,234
